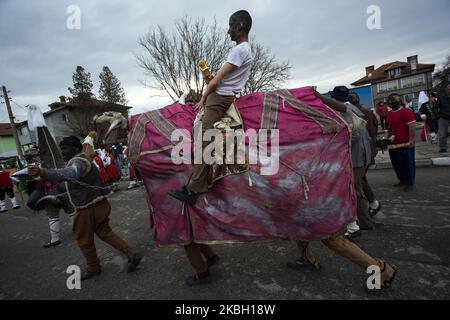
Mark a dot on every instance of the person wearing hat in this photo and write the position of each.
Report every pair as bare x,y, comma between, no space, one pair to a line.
361,154
86,193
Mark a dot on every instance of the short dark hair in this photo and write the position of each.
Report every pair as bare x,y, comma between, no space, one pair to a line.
395,95
243,18
354,97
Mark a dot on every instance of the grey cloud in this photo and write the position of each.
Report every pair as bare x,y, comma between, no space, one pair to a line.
325,41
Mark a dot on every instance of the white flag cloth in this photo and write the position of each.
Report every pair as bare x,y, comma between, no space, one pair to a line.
35,117
423,98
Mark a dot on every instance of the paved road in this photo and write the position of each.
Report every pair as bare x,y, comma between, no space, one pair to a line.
413,233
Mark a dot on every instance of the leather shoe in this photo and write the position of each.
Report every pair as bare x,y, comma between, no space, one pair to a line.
133,262
52,244
198,279
352,235
88,275
374,212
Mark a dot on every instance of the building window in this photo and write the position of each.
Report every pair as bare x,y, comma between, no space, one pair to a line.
388,86
414,98
395,73
417,80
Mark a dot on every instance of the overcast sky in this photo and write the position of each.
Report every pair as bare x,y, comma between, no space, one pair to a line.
326,41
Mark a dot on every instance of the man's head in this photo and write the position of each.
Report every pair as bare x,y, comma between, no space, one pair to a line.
240,25
394,101
354,99
433,96
29,158
340,93
70,146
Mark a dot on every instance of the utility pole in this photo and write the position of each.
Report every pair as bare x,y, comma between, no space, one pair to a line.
13,125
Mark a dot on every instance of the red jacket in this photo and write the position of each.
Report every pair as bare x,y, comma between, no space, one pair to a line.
5,180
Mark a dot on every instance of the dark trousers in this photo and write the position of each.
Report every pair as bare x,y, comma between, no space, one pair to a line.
368,192
196,254
364,220
403,161
9,191
215,110
95,220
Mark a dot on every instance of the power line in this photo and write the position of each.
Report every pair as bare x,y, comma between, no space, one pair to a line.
23,108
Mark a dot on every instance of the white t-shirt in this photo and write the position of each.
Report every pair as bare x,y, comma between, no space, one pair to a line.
234,83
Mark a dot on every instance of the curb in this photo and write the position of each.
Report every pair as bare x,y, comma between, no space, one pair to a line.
424,163
441,162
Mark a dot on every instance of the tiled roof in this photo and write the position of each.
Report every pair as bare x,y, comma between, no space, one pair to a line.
5,130
88,103
381,73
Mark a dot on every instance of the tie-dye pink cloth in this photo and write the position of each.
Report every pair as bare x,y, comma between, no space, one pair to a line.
311,197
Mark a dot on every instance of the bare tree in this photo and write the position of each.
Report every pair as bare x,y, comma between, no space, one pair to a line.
81,123
442,77
171,60
267,74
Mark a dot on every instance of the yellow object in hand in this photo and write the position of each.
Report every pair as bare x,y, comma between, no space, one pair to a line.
204,68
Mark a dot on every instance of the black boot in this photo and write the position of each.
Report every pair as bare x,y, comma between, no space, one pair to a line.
89,274
198,279
184,195
133,262
52,244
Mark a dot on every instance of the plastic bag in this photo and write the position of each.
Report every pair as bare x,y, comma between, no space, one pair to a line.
35,118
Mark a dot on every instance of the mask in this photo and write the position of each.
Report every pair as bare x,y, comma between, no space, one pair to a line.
395,104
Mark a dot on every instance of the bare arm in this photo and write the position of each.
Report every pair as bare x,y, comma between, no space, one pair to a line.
214,82
333,104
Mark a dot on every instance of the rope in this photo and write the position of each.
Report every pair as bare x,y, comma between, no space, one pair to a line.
48,145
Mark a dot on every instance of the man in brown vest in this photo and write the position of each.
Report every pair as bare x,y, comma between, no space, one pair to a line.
86,193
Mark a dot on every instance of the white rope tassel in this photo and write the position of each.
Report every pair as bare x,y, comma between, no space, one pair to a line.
206,201
283,103
250,182
305,188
